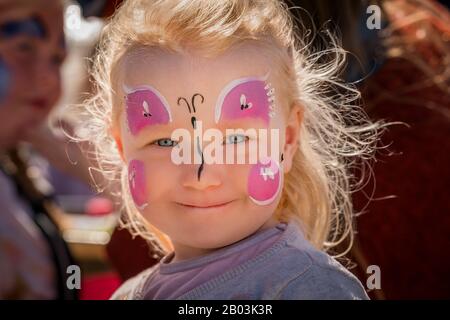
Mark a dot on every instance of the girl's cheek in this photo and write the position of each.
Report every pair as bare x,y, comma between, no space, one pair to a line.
264,181
137,183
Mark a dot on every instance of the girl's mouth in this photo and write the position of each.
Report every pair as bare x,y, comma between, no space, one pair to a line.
216,205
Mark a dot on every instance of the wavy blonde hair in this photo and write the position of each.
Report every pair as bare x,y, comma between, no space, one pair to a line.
335,133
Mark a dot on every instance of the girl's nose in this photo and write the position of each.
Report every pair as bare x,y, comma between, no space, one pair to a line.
202,177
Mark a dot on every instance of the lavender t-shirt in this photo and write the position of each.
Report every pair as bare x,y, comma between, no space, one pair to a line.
273,264
171,280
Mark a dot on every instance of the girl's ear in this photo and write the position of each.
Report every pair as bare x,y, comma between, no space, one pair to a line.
115,133
292,134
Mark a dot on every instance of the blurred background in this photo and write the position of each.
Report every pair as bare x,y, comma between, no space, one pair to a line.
51,216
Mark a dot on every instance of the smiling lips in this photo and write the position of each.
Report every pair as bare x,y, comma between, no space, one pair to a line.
205,205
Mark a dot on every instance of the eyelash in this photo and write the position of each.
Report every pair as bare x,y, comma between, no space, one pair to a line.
234,140
226,141
157,142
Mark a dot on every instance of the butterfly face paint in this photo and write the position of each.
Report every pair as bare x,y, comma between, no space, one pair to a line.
32,27
136,180
194,125
246,97
145,106
264,181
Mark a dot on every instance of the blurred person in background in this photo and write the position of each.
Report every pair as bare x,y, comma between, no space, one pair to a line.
40,165
33,255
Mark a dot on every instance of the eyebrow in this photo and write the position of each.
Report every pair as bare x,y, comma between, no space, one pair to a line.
158,131
240,123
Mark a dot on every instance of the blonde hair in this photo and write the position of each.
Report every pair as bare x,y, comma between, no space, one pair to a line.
335,133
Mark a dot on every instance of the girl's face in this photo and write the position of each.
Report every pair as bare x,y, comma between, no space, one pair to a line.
203,205
31,52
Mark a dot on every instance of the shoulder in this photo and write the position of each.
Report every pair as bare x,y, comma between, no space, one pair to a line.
308,273
130,289
321,277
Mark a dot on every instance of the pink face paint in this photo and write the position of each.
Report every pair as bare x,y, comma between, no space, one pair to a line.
264,181
145,106
247,97
136,180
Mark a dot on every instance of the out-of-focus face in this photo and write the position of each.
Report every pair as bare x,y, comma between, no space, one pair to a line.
202,205
32,50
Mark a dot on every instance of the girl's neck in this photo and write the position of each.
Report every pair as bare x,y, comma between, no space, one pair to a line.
183,252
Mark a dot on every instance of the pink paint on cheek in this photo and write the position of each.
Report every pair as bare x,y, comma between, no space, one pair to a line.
136,180
146,107
248,99
264,181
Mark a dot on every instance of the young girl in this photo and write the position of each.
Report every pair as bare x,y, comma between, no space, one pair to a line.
169,71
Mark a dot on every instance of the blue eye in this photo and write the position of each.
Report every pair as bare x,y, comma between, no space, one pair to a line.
235,139
165,142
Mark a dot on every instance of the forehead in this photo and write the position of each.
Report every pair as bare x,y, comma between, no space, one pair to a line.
183,74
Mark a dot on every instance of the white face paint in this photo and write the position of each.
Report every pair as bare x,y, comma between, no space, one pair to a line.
265,180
